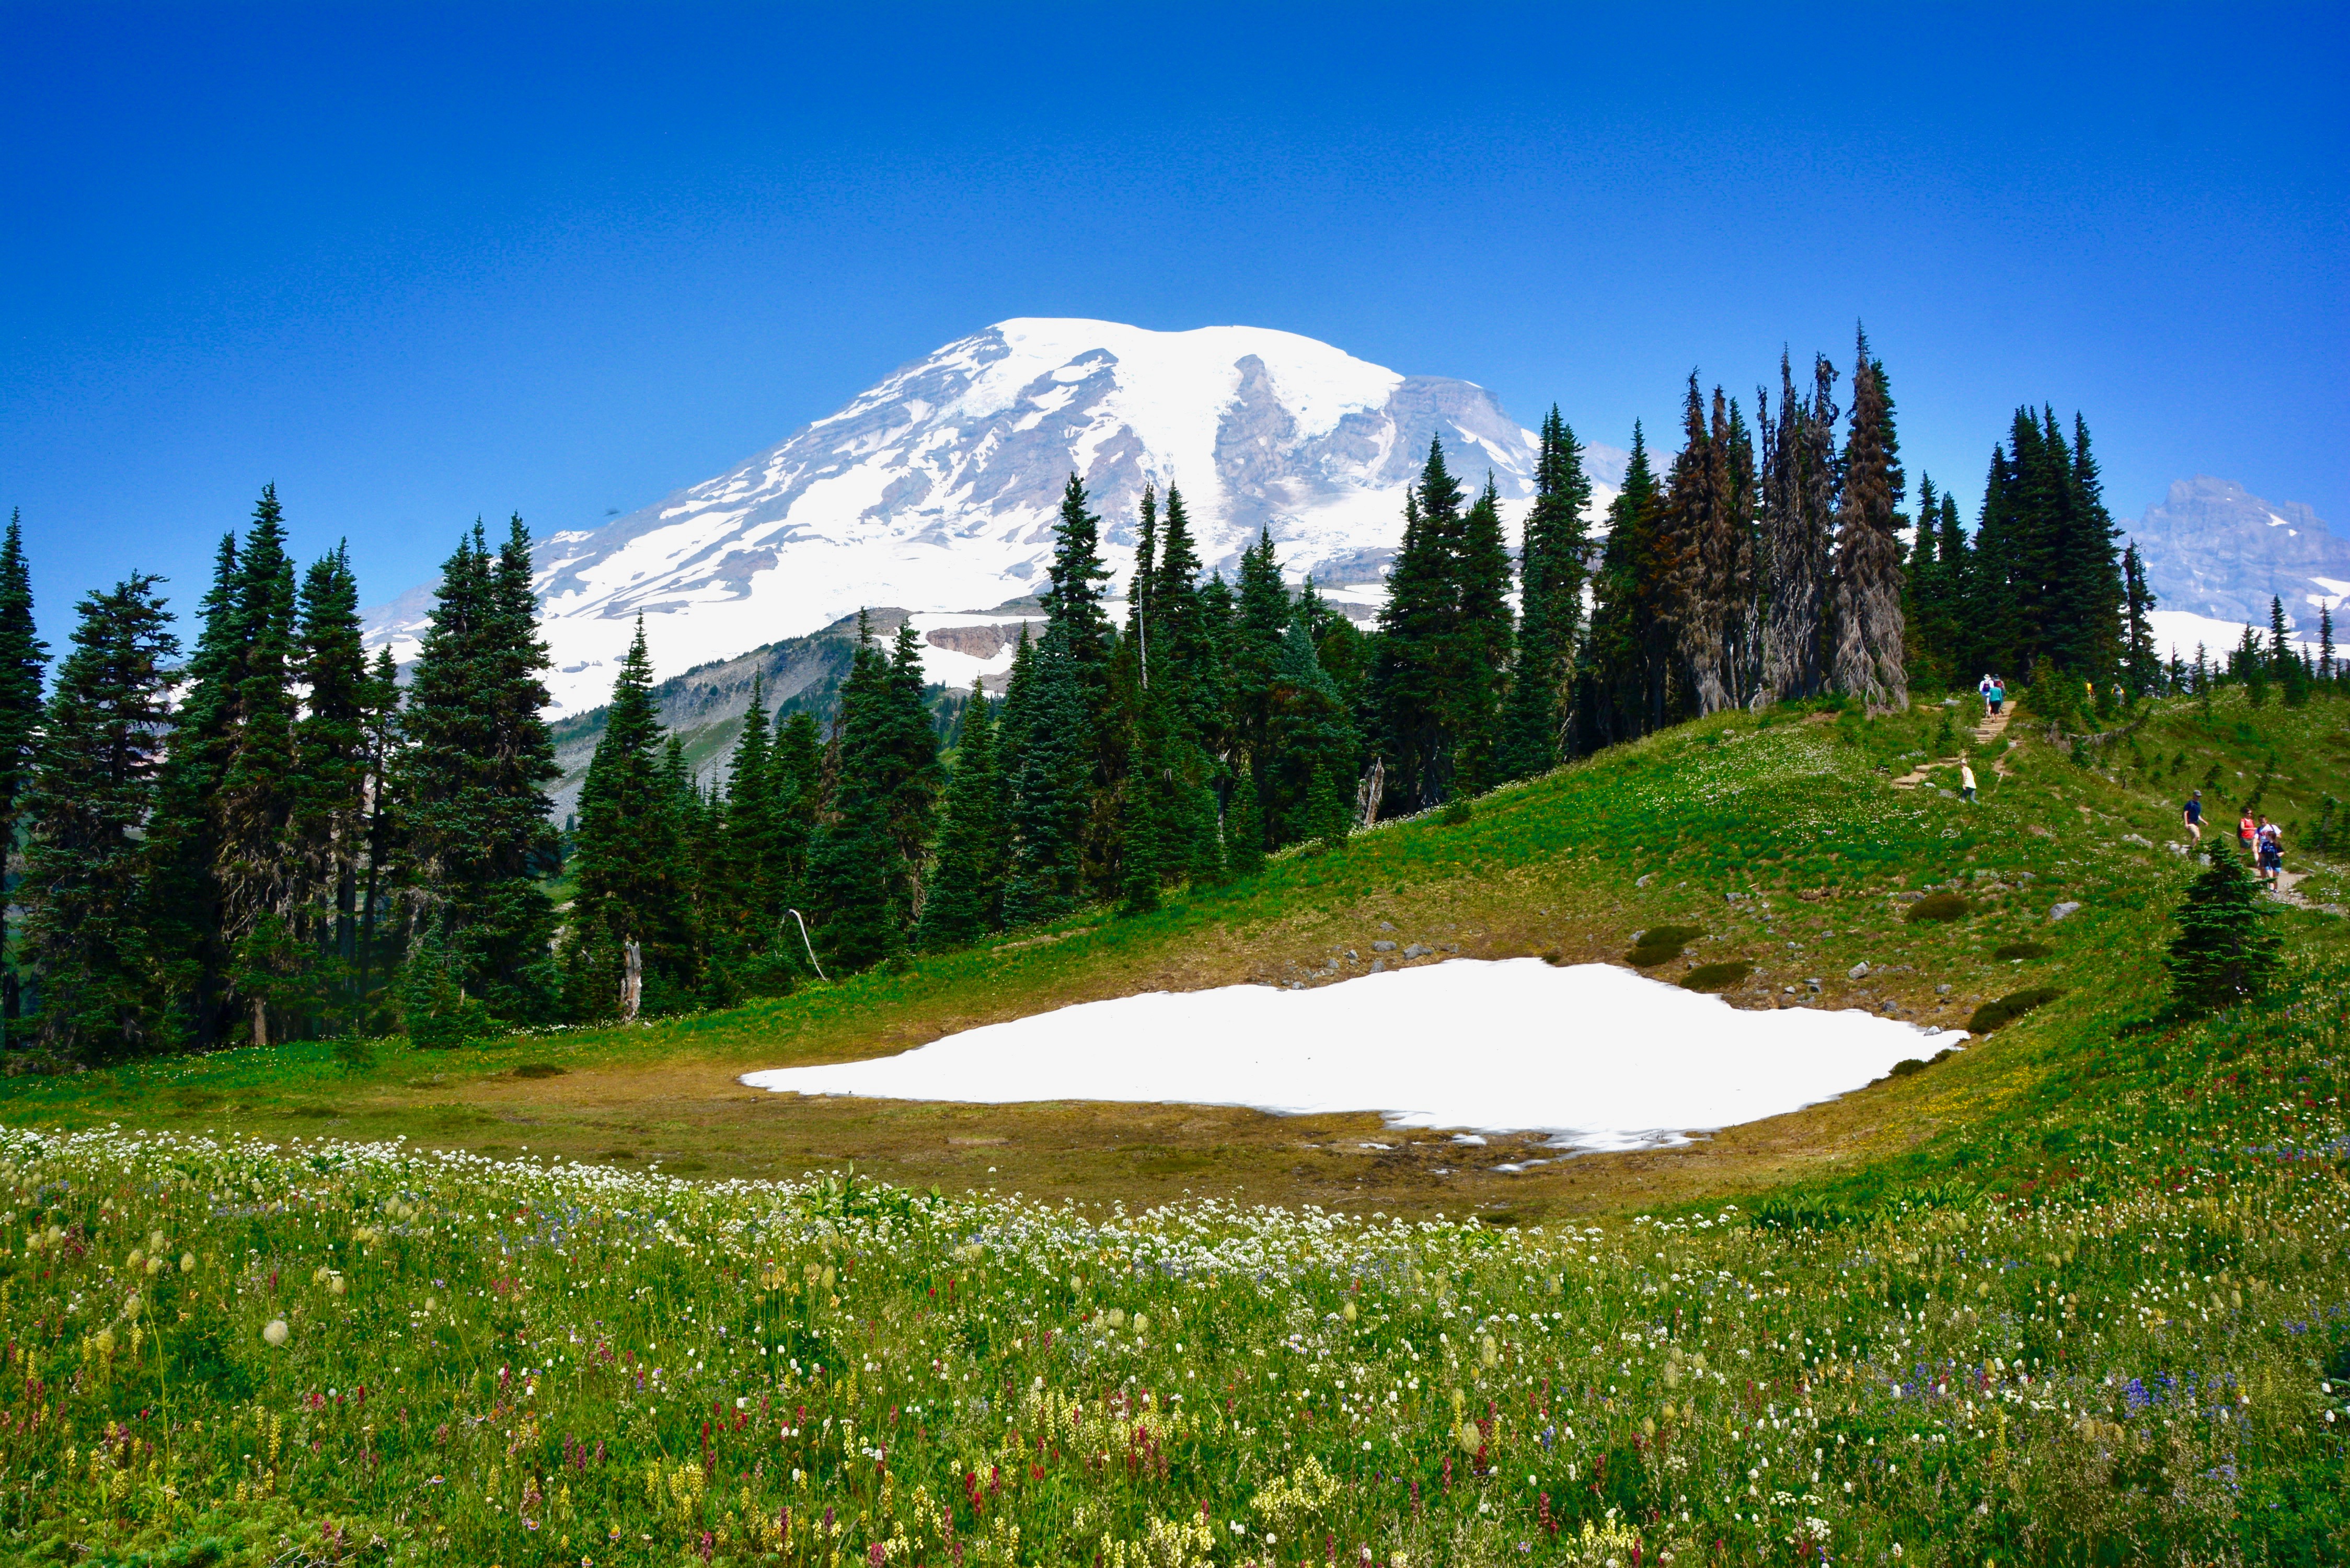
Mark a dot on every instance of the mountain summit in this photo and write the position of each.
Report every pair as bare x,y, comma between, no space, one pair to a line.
935,491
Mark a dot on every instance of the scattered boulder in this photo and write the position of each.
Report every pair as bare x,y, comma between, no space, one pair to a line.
1384,946
1857,972
1416,950
2060,911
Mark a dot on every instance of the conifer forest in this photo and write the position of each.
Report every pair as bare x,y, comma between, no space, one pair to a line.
247,829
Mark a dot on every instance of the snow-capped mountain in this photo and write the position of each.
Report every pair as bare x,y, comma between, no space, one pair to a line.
936,491
2216,554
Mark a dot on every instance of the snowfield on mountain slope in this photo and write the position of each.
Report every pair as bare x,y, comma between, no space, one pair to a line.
1598,1056
935,491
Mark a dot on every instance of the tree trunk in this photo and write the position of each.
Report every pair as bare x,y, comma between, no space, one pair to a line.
632,980
260,1021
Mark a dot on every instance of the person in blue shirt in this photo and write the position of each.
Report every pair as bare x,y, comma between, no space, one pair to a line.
2195,816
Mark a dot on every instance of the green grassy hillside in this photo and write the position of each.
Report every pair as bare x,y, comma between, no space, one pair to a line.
2072,1295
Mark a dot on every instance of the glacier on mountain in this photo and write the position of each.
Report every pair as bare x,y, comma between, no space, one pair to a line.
936,491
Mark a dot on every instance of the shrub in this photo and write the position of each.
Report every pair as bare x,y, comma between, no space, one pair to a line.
2008,951
355,1054
1457,812
1660,944
2009,1008
1716,976
1939,906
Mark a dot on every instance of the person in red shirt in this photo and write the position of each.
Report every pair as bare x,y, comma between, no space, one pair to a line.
2246,829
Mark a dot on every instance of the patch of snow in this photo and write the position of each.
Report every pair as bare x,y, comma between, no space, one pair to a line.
2178,631
1598,1056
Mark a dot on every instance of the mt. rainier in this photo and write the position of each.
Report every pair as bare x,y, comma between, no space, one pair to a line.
936,490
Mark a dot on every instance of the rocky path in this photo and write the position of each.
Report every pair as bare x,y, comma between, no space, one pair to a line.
1993,726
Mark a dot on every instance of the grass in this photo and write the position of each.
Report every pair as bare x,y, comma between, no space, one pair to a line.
2073,1294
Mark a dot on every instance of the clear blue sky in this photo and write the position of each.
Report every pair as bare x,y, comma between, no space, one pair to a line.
417,263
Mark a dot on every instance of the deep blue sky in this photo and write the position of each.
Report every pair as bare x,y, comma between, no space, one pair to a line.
417,263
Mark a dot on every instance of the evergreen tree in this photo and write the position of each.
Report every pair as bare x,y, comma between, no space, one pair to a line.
252,806
1954,639
330,757
2285,661
2092,606
92,791
1050,795
2327,668
795,772
379,706
1921,582
2141,664
1551,571
1629,686
1244,830
1867,569
1414,673
1259,621
1705,550
23,657
1311,741
1482,643
2223,952
470,783
1796,497
741,905
630,858
183,917
965,900
1073,603
902,761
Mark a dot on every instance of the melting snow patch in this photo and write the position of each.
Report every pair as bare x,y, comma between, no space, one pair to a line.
1598,1055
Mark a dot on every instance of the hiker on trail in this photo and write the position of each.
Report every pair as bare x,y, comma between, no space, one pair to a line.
1982,689
1965,781
2271,838
1997,694
2246,830
2195,816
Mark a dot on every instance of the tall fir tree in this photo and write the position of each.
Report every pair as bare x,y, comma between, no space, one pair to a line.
380,708
741,903
1485,642
1797,495
629,860
965,898
1867,572
1412,690
23,657
858,877
92,793
1050,797
184,915
1628,686
470,781
252,806
1553,565
1310,739
329,829
2141,662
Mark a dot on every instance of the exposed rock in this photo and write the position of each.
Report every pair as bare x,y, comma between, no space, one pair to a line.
2059,911
1857,972
1383,947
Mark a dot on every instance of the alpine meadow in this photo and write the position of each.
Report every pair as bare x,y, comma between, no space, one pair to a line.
379,1181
